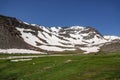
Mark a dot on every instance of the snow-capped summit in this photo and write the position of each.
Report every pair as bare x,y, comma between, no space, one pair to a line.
109,37
55,29
15,35
77,27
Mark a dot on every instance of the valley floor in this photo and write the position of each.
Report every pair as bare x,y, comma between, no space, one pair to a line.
60,67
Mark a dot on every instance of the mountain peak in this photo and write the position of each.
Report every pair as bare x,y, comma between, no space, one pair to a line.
77,27
16,34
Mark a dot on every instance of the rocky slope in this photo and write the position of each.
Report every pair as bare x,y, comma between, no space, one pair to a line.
16,35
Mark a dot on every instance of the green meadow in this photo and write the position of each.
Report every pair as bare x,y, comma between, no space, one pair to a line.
68,67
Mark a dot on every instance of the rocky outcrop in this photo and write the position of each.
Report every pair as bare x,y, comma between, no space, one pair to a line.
111,47
10,37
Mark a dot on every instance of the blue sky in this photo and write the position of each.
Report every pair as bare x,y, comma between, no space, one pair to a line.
103,15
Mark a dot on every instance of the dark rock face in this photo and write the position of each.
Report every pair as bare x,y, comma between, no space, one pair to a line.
92,33
9,35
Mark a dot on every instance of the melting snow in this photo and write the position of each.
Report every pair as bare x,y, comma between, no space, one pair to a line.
96,41
77,27
26,23
45,29
29,38
52,39
34,24
16,60
54,29
111,37
90,49
53,48
28,30
10,51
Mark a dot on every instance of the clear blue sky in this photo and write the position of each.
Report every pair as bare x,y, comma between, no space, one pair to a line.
103,15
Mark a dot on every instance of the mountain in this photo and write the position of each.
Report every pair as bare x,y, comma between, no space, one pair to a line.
17,36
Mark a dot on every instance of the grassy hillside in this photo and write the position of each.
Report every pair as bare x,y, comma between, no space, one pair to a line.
77,67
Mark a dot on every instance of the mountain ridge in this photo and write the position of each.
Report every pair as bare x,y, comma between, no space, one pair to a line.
16,34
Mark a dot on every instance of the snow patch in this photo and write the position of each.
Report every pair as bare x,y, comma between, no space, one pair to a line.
16,60
90,49
29,38
34,24
54,29
53,39
77,27
45,29
54,48
10,51
111,37
29,30
26,23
